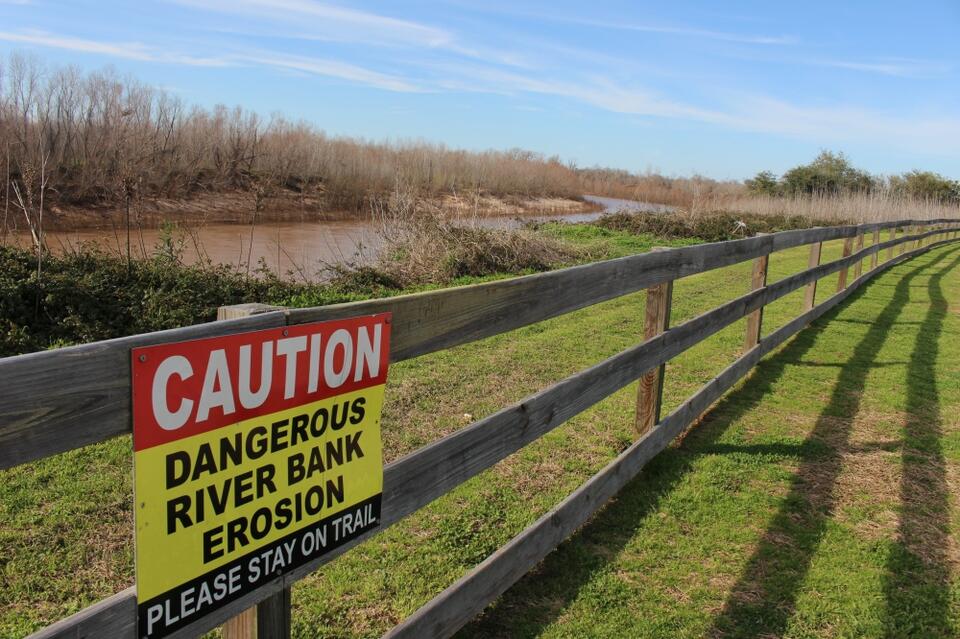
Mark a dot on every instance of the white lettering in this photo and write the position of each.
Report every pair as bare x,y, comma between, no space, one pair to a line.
341,337
368,354
167,419
289,348
249,399
217,390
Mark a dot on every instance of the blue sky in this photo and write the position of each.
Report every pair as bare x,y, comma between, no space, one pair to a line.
723,89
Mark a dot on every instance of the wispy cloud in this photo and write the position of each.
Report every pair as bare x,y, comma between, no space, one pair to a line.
903,68
126,50
688,31
757,113
141,52
328,68
330,21
685,31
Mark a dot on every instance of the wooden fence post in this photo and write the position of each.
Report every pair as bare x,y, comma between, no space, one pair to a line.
842,277
893,236
810,297
656,321
755,319
876,254
269,619
903,245
858,267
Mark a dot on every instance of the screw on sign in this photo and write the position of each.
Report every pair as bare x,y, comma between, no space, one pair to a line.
254,453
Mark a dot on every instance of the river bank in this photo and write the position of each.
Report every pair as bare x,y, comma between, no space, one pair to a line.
219,230
245,207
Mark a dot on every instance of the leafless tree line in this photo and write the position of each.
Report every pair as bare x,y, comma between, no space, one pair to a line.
101,138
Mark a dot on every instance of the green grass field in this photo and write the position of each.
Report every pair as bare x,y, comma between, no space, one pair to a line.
815,500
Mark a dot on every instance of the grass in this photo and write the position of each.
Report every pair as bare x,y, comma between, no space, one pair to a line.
816,500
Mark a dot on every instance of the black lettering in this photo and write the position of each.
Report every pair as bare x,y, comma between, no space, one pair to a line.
265,517
265,475
335,453
339,419
205,462
177,473
357,410
212,540
218,498
237,534
314,500
335,490
295,470
232,450
178,511
322,416
353,446
257,442
278,435
316,462
243,488
284,514
298,429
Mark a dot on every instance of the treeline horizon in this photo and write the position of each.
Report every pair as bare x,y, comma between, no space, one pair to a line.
833,174
95,138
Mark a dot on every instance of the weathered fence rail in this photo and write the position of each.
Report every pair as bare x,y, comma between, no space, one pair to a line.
55,401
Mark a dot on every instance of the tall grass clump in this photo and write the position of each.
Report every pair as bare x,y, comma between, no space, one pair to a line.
877,206
421,245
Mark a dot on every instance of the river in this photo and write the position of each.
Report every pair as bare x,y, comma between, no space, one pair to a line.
291,246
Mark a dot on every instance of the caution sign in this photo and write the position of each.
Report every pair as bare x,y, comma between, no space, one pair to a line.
254,454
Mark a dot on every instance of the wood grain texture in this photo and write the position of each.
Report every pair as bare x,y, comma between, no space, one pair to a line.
875,257
858,267
273,616
414,481
650,387
758,279
842,277
113,617
242,626
810,295
244,310
55,401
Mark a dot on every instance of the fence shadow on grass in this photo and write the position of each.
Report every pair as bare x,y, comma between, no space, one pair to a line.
541,597
763,600
918,577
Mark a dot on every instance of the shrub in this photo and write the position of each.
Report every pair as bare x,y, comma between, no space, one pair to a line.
422,246
709,227
88,295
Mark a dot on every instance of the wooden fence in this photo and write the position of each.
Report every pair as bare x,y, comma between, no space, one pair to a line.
59,400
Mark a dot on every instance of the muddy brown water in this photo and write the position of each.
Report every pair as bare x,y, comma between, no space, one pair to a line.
297,249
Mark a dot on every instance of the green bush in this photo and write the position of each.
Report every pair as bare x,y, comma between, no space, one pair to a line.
88,295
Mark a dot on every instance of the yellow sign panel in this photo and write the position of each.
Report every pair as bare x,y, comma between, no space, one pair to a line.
257,479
